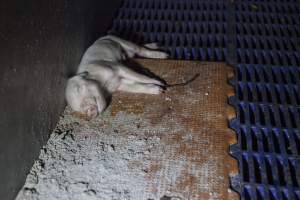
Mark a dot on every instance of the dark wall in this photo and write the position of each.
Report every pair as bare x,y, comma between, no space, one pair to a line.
41,43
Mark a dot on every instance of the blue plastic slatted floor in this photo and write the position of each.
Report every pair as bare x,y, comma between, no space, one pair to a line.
186,29
267,39
261,39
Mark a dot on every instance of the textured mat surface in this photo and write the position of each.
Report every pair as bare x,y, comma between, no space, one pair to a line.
170,146
194,132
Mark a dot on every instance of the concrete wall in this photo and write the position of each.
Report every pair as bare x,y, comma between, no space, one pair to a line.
41,43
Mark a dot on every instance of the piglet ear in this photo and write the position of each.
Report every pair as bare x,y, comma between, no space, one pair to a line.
83,74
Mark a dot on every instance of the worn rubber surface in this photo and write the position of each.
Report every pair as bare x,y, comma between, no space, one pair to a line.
195,136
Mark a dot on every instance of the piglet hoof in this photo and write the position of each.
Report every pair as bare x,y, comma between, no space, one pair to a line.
160,55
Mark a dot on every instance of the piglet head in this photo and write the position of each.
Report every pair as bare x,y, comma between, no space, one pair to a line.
85,96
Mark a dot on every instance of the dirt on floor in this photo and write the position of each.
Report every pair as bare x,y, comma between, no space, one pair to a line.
144,147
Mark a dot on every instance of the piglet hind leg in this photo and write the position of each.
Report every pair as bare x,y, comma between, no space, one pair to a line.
153,45
152,50
134,87
132,49
147,53
129,74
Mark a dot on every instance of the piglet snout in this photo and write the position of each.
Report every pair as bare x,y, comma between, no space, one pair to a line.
92,112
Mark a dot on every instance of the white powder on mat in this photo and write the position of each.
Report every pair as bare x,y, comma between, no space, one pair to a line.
91,160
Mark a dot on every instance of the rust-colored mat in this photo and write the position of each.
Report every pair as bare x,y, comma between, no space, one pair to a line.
194,135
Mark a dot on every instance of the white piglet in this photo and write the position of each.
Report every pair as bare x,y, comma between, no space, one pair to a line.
101,72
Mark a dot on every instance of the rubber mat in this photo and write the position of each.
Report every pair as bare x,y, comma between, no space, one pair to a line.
261,39
193,130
